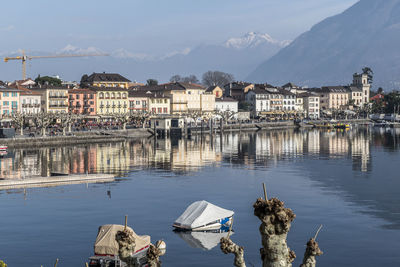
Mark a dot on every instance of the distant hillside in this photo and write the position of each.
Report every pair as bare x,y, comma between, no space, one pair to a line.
366,34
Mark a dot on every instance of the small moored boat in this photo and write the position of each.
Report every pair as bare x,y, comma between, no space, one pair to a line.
3,150
106,247
203,216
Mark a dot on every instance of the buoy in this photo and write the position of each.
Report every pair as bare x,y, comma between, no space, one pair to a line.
161,246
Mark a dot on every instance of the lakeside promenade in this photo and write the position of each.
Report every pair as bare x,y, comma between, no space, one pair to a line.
100,136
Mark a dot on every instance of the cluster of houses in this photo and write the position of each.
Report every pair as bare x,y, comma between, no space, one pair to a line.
110,93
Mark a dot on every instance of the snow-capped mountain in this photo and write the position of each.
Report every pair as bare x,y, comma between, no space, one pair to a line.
249,51
253,39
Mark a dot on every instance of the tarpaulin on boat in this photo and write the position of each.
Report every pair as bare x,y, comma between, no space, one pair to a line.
106,243
201,213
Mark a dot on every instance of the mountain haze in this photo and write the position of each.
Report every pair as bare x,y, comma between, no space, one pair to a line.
366,34
236,55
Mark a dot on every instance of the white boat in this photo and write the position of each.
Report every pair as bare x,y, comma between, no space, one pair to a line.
206,240
203,216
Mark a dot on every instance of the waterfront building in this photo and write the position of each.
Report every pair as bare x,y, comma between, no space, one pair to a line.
139,101
226,104
29,101
159,104
289,101
184,97
110,100
356,95
106,80
9,100
311,103
154,102
276,99
175,92
299,107
82,101
259,100
54,99
361,81
238,90
215,90
332,97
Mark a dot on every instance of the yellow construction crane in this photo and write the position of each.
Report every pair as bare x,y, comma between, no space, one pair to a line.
24,58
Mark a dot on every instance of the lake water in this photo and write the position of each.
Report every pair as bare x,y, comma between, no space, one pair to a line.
347,181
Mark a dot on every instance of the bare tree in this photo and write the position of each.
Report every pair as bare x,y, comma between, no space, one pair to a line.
217,78
66,120
122,118
140,118
190,79
175,78
19,120
43,120
225,115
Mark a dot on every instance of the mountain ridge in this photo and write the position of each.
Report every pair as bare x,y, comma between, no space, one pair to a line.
366,34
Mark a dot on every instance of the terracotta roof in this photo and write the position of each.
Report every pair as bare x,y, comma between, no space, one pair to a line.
150,94
81,91
8,89
106,77
25,91
192,86
101,88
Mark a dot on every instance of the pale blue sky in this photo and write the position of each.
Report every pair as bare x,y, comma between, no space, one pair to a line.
150,26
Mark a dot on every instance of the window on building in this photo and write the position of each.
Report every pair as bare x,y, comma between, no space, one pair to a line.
77,96
5,103
159,110
137,102
165,110
154,110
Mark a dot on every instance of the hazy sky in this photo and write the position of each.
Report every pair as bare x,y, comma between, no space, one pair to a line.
152,27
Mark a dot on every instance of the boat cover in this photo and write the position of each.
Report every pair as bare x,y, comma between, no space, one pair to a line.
201,213
106,244
203,240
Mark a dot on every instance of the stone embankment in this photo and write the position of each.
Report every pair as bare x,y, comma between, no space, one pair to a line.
77,138
38,181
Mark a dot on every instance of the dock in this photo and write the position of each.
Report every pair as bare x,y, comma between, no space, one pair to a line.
38,181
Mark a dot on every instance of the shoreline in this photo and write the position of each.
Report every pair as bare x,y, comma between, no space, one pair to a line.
80,138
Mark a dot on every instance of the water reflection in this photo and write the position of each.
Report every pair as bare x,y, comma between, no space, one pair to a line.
180,156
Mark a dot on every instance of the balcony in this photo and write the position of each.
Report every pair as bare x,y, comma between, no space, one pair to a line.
58,96
58,106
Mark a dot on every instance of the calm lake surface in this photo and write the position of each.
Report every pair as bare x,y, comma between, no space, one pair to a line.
347,181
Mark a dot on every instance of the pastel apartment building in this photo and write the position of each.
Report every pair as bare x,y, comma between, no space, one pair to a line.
82,101
9,98
111,100
54,99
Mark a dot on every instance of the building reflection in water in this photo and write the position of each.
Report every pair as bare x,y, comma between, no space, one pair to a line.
187,155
